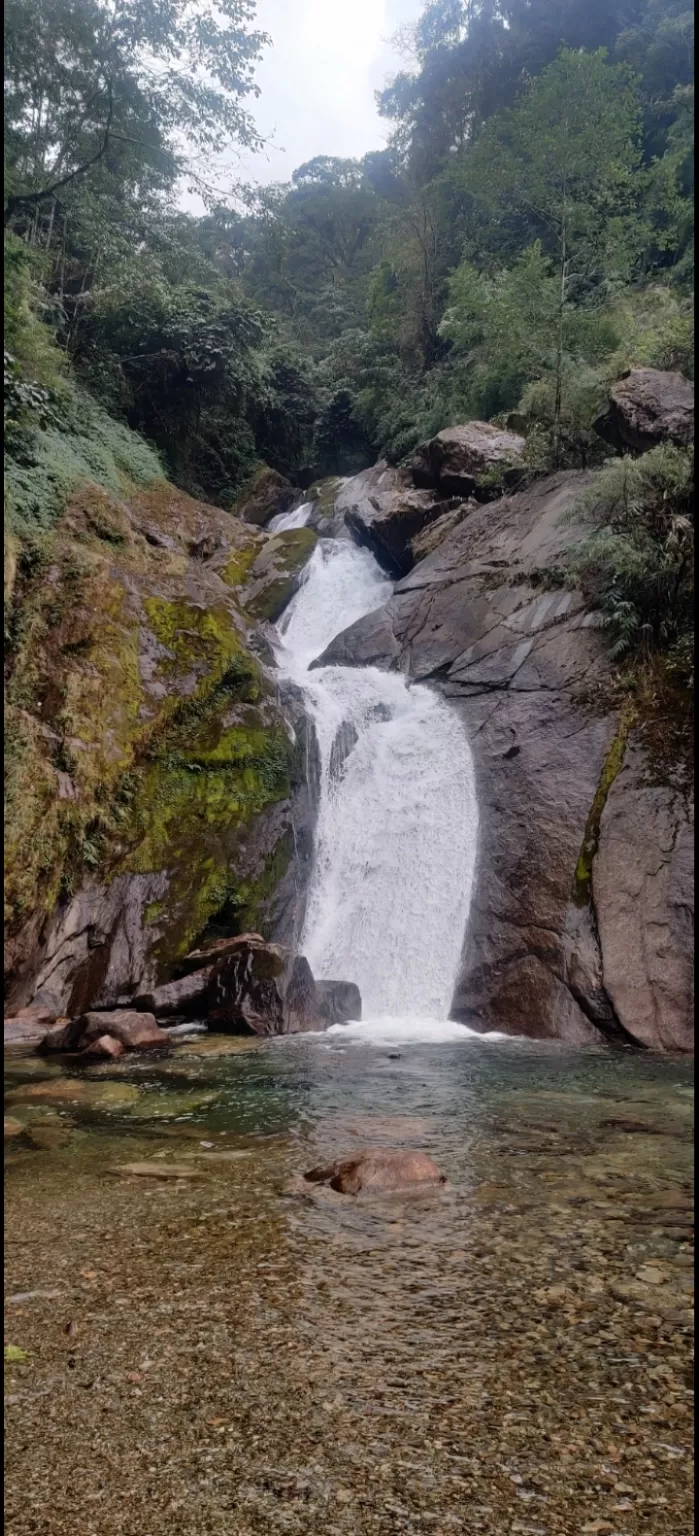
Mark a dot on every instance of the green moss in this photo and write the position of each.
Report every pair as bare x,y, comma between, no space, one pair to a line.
193,801
238,565
105,773
277,571
611,767
323,493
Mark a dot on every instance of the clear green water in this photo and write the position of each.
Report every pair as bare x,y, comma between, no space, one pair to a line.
251,1355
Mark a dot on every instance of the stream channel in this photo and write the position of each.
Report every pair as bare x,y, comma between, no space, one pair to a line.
220,1353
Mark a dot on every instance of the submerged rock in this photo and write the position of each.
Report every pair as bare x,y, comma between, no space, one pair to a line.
374,1170
648,406
157,1171
475,458
75,1090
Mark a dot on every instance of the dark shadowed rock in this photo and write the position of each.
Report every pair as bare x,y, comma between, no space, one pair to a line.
262,989
647,407
186,996
424,542
466,460
266,494
242,991
339,1002
377,1170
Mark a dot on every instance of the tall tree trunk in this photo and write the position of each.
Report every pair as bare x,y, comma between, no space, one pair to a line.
562,295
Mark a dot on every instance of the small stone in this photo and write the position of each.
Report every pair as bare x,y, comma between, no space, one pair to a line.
12,1127
104,1047
156,1171
649,1275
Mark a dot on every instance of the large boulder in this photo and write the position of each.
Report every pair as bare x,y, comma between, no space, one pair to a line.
275,575
266,494
133,1030
475,458
176,723
580,918
647,407
378,1170
262,989
384,511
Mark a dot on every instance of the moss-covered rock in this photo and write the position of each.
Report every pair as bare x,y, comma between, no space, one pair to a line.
273,577
264,495
145,744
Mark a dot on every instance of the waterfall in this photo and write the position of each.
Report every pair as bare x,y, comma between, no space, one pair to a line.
296,519
397,821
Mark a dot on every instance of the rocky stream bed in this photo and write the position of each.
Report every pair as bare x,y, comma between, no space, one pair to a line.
210,1347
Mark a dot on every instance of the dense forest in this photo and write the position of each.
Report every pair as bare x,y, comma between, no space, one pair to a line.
526,235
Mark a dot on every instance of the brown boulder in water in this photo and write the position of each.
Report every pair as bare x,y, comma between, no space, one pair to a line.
262,989
378,1169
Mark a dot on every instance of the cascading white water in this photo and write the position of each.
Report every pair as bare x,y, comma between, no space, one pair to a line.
296,519
397,821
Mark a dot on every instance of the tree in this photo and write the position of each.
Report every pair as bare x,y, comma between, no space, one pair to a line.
565,157
122,88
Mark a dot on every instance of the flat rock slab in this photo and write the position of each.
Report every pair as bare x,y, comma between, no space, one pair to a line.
156,1171
74,1090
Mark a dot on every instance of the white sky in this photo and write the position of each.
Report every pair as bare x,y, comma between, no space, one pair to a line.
318,78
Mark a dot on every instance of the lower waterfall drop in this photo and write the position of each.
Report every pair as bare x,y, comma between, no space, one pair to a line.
397,821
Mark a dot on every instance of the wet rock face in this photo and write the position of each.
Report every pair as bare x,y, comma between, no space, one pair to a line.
374,1171
385,511
340,1002
262,989
647,407
464,460
643,878
177,730
547,953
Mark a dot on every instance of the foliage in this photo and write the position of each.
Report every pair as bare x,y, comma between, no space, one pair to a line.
637,565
